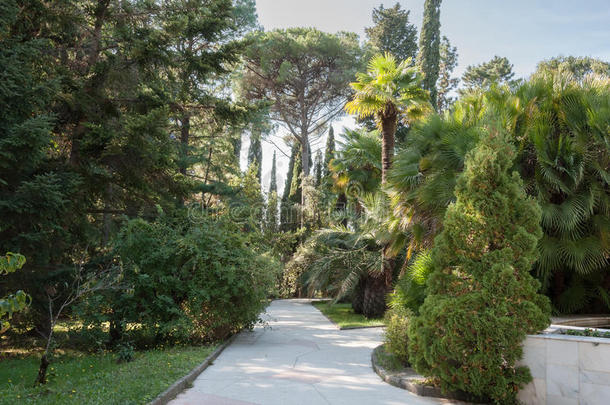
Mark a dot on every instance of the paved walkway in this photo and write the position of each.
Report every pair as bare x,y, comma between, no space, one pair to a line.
299,357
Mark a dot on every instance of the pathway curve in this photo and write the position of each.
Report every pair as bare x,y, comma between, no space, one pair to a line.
299,357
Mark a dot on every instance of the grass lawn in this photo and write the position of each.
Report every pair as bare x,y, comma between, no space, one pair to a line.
97,379
344,316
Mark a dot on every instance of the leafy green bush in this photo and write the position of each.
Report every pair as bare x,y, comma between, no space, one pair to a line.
186,282
482,299
396,339
18,301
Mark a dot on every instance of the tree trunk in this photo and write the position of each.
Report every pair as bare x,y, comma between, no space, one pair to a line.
389,120
341,208
185,130
375,291
358,297
42,370
305,152
115,333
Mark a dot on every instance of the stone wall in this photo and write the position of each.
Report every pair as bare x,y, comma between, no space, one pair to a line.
571,370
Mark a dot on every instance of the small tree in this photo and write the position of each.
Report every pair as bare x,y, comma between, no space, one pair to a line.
482,299
61,297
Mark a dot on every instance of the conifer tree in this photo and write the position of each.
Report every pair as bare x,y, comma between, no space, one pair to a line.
429,46
273,180
255,151
392,32
482,299
329,153
318,169
295,179
498,70
285,204
271,225
446,83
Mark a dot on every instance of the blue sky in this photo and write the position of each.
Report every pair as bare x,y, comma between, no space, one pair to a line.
525,32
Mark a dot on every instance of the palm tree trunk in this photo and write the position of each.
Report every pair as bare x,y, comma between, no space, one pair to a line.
389,121
375,290
377,286
358,297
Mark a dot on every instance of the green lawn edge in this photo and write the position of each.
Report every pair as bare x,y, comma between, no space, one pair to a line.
344,317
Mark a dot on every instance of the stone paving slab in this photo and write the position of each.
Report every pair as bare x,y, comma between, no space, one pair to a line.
298,357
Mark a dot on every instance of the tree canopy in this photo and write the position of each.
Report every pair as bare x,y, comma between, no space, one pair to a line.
498,70
304,73
392,32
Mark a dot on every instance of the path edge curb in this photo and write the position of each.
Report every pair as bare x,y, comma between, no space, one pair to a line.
184,382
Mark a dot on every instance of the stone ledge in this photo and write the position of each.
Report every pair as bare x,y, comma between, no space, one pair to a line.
184,383
409,380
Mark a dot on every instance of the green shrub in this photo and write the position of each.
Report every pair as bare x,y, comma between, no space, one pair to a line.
16,302
482,299
186,282
395,338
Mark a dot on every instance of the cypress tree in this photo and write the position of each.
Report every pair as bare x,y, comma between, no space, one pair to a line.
318,168
428,58
255,151
295,181
285,213
273,181
329,153
446,83
271,215
482,298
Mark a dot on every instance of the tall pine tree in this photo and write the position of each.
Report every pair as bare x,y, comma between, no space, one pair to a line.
428,58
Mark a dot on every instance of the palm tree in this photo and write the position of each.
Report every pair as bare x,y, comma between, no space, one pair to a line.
387,92
422,179
560,126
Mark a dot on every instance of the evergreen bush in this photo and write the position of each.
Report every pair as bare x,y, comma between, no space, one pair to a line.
395,337
482,300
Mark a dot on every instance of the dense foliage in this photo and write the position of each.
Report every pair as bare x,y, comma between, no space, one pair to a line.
186,282
124,183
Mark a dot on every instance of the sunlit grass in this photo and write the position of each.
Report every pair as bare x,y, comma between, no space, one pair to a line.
97,379
344,316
